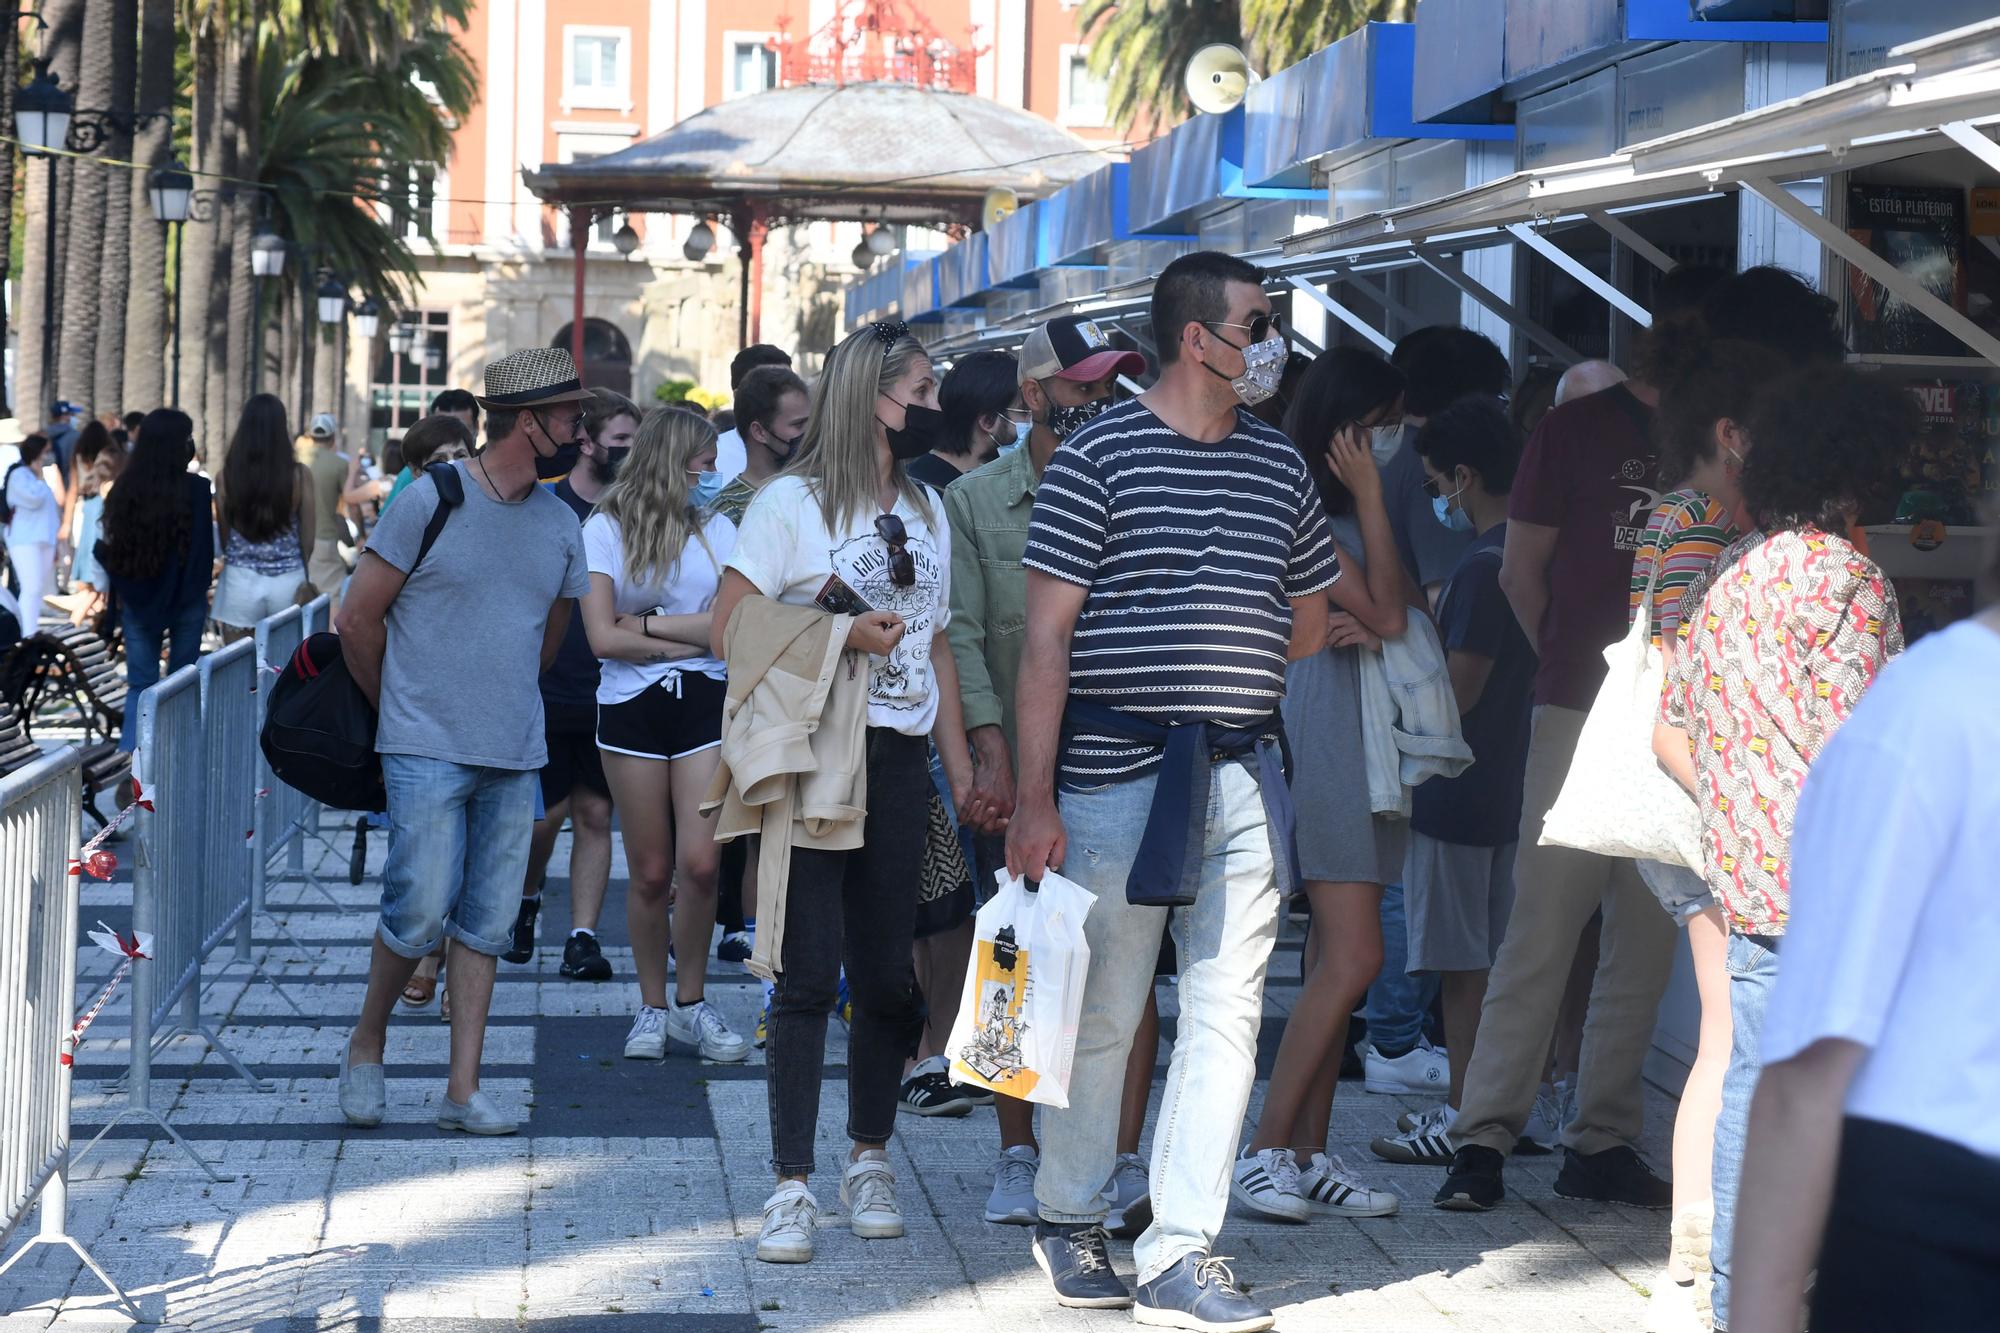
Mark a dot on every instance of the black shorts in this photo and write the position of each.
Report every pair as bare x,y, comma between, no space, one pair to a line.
680,716
571,731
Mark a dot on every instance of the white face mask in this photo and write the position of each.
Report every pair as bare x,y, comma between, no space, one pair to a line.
1385,442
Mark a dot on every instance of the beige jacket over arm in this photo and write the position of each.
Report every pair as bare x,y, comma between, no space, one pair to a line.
794,752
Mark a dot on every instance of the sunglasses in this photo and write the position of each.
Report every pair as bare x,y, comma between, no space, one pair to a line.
1259,328
902,566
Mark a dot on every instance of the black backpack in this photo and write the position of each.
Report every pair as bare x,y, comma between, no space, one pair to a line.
7,505
319,733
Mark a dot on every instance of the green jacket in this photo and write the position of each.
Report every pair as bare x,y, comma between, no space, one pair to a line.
988,509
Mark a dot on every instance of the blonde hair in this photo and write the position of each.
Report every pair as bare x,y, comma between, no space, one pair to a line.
836,456
649,499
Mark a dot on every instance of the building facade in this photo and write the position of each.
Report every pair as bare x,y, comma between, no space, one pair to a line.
566,82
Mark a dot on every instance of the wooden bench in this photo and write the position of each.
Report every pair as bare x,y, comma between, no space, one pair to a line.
69,665
105,766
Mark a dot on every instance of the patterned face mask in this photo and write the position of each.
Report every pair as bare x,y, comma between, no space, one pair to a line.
1066,421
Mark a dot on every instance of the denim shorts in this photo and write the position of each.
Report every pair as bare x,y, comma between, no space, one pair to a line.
458,853
1682,893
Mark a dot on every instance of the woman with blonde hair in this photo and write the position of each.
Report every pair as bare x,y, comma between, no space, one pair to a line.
655,561
845,509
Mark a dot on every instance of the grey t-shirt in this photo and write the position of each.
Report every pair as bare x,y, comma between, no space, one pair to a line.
459,677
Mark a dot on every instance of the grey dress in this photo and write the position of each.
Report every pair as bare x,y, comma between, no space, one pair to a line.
1340,839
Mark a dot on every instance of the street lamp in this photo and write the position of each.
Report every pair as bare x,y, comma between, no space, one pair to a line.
41,123
433,354
401,338
332,301
881,241
625,239
863,257
367,318
267,253
173,194
700,241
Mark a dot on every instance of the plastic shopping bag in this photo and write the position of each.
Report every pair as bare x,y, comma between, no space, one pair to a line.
1016,1028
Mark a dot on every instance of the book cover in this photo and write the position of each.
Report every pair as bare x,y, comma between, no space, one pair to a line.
1921,230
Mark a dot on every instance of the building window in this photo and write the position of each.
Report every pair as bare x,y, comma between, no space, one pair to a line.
415,198
597,68
1084,94
749,64
402,386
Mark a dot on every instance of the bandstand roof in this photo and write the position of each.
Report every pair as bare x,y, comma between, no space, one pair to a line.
881,151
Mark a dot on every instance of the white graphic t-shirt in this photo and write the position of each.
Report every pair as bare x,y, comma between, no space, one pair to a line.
784,548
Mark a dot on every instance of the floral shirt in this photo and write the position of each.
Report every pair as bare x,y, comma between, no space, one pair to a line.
1789,635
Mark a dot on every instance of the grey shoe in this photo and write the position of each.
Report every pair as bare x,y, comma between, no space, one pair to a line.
481,1115
364,1097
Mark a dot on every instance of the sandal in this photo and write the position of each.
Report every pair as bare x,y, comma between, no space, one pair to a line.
444,1003
420,990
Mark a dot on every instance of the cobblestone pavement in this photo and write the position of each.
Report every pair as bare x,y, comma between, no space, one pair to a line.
631,1199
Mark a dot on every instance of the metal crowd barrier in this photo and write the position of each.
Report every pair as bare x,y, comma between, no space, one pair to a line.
41,812
185,909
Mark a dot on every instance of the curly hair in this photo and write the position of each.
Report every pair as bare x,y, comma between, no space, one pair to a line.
1824,444
1703,380
1778,308
148,522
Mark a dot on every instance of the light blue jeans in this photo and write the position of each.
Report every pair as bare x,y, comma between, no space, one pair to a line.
1753,971
458,853
1225,940
1397,1001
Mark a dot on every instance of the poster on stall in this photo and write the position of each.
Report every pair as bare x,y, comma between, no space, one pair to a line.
1921,230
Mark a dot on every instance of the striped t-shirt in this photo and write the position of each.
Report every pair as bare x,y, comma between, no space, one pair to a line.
1690,527
1190,552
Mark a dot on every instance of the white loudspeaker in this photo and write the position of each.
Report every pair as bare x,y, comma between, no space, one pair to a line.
1218,78
999,202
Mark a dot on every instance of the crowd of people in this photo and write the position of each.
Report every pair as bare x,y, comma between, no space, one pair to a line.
1320,637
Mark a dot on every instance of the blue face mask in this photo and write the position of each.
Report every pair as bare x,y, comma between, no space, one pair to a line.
1022,429
1455,519
707,485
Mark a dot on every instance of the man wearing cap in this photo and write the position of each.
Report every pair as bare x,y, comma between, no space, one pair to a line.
1067,372
450,649
330,477
62,434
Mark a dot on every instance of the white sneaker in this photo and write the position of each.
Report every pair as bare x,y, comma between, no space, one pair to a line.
1424,1143
1131,1192
789,1218
1555,1107
868,1192
648,1038
1328,1185
1267,1183
1012,1202
698,1026
1421,1070
1671,1308
1428,1118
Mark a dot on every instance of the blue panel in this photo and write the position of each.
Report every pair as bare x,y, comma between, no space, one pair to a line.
1573,123
1544,34
1337,106
1865,31
1679,87
962,272
920,289
1460,60
1014,247
1362,100
1084,215
1274,116
1718,21
1179,172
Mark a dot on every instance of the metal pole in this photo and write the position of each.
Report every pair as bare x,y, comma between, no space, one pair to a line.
759,232
579,236
257,335
174,317
49,386
740,224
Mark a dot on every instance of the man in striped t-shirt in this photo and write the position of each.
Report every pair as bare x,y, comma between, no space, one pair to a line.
1178,557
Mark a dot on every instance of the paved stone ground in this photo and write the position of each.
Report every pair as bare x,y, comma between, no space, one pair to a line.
631,1199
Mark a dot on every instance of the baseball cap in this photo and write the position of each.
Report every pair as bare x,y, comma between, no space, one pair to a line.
323,427
63,407
1072,347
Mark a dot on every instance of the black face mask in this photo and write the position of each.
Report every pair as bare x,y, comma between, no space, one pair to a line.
607,467
922,428
562,463
782,450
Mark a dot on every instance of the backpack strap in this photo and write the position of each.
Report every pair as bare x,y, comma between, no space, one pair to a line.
451,494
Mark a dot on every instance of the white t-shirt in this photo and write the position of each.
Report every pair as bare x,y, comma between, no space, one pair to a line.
1895,921
37,517
730,456
786,550
692,591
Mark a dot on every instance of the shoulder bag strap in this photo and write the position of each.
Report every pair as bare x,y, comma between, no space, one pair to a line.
451,494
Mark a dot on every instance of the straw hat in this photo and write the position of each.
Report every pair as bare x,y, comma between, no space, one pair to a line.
532,377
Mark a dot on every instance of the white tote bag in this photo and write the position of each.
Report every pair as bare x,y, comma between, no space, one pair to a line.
1617,800
1017,1020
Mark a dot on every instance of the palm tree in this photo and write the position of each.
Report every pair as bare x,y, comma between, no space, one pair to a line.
10,60
1140,47
145,316
114,276
61,44
85,213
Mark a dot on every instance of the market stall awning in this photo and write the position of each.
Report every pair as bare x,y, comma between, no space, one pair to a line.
891,152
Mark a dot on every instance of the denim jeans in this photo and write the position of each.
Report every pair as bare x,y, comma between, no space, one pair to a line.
143,638
1397,1001
458,852
1225,940
1753,970
858,908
